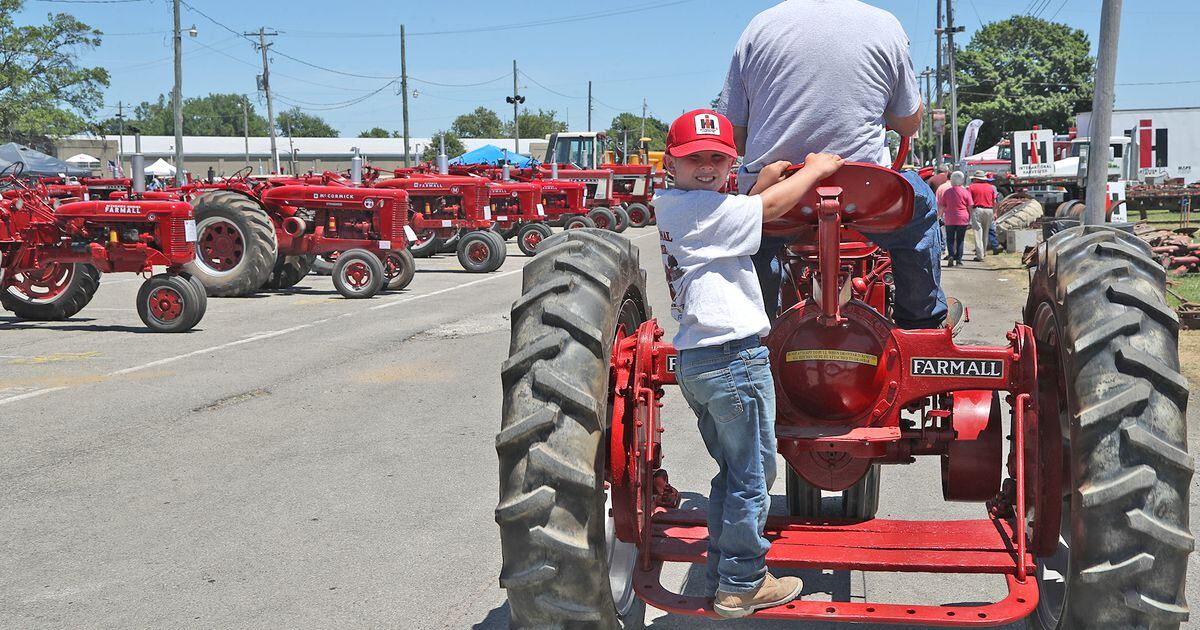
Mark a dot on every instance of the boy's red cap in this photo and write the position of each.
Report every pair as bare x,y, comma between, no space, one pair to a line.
701,130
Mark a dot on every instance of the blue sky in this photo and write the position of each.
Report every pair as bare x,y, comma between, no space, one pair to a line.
672,53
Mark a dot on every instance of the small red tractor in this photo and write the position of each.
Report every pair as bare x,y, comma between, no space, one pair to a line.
265,235
598,196
445,207
53,253
1085,519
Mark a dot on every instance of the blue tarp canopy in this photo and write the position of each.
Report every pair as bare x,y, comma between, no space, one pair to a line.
490,154
38,163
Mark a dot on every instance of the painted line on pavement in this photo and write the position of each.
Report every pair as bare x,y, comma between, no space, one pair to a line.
277,333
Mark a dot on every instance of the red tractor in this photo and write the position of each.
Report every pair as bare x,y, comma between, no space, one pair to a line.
598,196
52,255
1085,519
265,235
450,207
633,189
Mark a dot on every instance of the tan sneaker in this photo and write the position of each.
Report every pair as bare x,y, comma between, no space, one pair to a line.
772,592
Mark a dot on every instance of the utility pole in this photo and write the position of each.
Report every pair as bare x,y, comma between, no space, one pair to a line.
1102,106
516,99
291,148
178,98
643,120
404,92
951,51
266,85
246,125
120,138
941,137
589,105
927,74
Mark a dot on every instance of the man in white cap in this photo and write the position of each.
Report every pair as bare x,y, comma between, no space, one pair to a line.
983,204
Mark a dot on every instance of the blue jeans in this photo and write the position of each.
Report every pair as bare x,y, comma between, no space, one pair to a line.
732,392
993,242
915,249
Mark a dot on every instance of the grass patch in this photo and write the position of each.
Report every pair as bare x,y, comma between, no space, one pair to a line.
1163,217
1187,287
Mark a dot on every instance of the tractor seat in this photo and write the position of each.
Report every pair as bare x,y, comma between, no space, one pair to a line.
873,198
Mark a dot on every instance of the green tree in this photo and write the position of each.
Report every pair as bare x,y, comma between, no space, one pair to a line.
454,146
539,125
1021,72
212,115
375,132
624,122
302,125
481,123
43,88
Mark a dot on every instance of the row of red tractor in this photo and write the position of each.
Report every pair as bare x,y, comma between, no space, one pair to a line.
243,235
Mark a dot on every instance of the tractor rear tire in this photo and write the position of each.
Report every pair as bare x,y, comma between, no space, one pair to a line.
620,220
859,502
201,295
81,287
1021,213
358,274
426,247
450,245
243,259
578,221
639,215
552,443
322,265
603,218
1107,347
404,267
169,303
531,237
288,271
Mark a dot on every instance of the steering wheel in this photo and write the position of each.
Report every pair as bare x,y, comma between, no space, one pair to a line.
239,174
13,170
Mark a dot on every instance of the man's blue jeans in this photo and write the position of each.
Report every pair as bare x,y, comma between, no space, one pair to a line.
916,266
731,390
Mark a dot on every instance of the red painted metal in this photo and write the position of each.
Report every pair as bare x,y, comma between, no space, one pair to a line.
166,304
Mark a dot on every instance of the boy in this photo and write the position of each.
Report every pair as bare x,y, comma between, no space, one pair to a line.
707,239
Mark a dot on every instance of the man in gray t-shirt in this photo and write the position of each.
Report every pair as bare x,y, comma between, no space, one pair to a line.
826,76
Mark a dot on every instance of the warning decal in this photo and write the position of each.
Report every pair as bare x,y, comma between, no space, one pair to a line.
831,355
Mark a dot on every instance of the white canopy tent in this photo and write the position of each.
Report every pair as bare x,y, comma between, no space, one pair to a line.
160,169
84,160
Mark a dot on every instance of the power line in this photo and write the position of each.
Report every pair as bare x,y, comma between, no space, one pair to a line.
1060,8
503,76
341,72
332,106
537,83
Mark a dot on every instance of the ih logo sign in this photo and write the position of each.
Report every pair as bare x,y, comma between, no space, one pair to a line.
1152,144
708,125
1035,152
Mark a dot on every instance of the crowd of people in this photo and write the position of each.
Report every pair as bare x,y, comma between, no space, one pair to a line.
967,207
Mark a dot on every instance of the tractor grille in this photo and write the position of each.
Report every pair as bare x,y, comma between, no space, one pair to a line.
399,218
178,245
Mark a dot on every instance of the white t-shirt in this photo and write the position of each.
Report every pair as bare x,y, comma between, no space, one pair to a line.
707,239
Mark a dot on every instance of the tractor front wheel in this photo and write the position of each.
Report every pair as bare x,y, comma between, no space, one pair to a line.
322,264
578,221
639,215
562,567
859,502
481,251
620,220
426,244
53,293
1111,397
603,218
399,268
169,303
531,236
358,274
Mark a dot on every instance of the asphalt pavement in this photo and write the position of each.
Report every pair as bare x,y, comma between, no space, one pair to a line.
301,460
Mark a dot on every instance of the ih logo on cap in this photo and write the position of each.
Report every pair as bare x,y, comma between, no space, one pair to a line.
707,125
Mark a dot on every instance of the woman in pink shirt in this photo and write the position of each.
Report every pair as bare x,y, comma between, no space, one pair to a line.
955,208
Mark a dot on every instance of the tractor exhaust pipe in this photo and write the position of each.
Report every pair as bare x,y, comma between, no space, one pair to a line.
356,168
554,170
137,164
443,164
506,173
294,226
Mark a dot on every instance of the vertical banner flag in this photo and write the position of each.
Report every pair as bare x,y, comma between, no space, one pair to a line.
970,135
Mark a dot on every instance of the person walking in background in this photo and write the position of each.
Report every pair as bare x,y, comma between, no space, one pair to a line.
983,208
940,183
955,209
994,242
